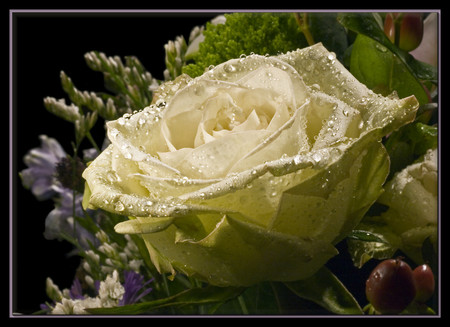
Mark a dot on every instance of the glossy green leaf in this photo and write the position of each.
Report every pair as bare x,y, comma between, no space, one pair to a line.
366,24
377,67
325,289
364,236
382,243
409,143
326,29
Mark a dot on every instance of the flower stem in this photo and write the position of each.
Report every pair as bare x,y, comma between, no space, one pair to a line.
94,144
302,21
242,304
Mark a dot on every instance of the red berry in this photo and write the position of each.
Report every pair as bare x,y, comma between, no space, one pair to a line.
424,283
390,286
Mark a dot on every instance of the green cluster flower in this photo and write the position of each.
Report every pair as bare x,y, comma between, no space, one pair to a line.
244,33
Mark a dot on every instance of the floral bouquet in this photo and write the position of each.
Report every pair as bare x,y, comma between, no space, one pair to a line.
276,149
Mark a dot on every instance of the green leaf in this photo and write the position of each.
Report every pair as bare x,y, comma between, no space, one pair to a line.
409,143
365,236
383,245
326,29
325,289
194,296
366,24
372,64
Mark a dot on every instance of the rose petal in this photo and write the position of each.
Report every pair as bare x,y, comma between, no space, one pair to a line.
214,159
172,187
330,120
319,67
238,71
180,130
273,79
109,186
317,204
230,254
289,140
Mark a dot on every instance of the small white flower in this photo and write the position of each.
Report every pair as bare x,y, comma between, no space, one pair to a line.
135,264
53,290
111,291
102,236
65,307
90,302
93,256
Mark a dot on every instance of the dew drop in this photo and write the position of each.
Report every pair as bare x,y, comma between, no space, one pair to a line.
160,103
380,47
315,87
118,206
114,132
229,68
112,176
316,157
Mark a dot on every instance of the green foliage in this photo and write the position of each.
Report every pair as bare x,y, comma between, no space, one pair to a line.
325,28
380,64
130,82
244,33
409,143
326,290
382,71
194,296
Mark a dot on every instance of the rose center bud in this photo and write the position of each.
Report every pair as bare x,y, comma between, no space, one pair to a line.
228,118
232,116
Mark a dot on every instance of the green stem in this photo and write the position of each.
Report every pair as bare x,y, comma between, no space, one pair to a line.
302,22
166,289
91,139
277,298
242,304
74,176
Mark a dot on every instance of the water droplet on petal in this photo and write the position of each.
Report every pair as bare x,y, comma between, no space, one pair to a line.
118,206
317,157
229,68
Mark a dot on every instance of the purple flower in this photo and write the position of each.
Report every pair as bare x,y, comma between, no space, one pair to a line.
41,162
76,291
134,287
47,175
61,218
58,220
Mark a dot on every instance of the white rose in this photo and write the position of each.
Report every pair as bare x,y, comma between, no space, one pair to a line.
412,198
252,171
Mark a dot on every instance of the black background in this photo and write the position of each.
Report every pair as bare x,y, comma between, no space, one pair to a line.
43,45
